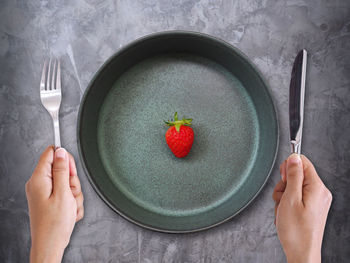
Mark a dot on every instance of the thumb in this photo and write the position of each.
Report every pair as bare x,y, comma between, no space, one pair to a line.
295,178
60,171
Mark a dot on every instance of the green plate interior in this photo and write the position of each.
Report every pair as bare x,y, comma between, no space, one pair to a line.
122,135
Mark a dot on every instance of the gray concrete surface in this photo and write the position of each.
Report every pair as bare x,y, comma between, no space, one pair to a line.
84,33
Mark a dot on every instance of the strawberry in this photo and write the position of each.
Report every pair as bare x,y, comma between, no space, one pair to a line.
179,136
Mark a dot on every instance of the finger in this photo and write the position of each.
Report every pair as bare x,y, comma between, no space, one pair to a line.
44,165
60,171
283,170
76,188
295,178
276,207
310,175
278,191
80,206
41,180
277,196
74,181
313,186
280,186
80,214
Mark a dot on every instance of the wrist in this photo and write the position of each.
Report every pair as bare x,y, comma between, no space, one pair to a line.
39,253
310,256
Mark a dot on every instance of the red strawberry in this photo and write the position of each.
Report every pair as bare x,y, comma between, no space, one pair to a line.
179,136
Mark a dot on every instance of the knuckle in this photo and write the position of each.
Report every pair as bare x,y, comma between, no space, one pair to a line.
293,169
79,197
59,170
292,201
274,198
64,195
321,188
328,195
80,214
60,164
28,186
319,185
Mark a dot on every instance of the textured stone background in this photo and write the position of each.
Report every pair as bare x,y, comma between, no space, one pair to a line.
85,33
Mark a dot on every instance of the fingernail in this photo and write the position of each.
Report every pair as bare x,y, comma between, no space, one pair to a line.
283,177
61,153
294,159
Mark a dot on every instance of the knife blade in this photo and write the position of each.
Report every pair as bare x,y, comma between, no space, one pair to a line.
296,101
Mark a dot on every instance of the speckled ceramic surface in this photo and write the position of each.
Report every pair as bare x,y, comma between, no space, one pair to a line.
121,132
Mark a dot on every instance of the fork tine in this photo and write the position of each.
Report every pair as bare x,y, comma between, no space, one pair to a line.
58,76
53,75
48,76
43,76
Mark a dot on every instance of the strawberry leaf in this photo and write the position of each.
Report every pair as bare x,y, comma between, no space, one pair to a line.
178,123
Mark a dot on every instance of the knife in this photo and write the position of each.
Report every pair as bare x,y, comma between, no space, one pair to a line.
296,101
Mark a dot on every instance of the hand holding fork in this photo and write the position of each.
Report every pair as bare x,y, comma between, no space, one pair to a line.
54,195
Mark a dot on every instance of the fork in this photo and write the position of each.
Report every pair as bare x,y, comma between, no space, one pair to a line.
50,94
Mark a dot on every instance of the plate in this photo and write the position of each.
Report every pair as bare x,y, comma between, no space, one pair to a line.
121,133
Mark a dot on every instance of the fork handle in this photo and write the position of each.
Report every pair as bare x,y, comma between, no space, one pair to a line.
56,127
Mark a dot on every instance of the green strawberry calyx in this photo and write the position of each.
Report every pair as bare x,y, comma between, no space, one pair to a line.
178,123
